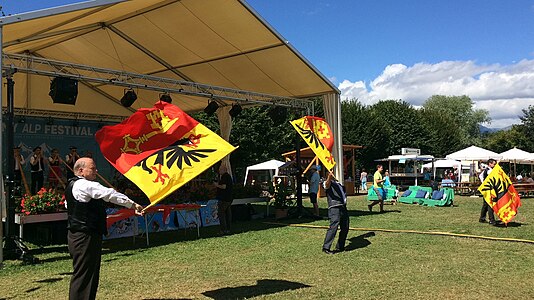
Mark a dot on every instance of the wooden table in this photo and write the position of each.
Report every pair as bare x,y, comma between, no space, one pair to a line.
466,188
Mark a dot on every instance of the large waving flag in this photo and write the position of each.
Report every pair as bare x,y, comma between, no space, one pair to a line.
500,194
161,148
317,134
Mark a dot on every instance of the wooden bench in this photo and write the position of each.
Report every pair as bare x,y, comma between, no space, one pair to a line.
525,189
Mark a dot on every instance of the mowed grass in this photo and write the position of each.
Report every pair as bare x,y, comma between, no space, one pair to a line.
267,261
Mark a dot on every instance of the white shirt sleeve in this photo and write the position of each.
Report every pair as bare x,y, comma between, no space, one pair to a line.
84,190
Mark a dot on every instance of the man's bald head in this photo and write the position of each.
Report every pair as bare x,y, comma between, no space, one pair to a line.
86,168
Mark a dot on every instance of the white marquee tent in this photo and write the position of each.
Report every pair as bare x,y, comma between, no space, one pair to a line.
270,166
517,155
444,163
473,153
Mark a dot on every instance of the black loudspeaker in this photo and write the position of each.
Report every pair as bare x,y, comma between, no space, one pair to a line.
278,114
64,90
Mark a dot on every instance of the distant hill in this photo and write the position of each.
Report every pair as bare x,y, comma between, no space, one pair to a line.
484,129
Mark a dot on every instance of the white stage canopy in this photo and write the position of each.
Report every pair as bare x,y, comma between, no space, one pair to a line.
223,47
271,166
474,153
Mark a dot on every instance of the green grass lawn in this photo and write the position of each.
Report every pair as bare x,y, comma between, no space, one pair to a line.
267,261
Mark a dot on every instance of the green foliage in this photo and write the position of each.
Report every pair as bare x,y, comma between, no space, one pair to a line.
527,129
282,196
464,118
402,125
503,140
258,137
441,132
359,127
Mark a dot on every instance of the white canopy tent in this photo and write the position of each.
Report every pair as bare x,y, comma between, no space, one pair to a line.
270,166
474,153
444,163
518,156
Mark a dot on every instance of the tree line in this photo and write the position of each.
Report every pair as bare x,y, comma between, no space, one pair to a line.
442,125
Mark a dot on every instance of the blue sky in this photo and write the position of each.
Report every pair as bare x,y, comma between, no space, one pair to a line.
410,49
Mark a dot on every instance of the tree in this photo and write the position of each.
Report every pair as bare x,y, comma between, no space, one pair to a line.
259,138
441,133
402,125
527,127
460,110
360,128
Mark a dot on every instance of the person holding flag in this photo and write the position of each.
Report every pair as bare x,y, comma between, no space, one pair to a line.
337,213
486,208
86,223
499,193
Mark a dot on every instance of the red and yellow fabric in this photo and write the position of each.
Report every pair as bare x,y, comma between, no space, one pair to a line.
499,192
161,148
318,135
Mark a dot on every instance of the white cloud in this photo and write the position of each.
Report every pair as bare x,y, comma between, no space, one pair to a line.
503,90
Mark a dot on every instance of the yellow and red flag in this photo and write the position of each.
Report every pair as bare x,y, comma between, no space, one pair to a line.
499,192
161,148
318,135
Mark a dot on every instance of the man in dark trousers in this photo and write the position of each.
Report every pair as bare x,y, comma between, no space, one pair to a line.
486,208
86,225
337,213
224,195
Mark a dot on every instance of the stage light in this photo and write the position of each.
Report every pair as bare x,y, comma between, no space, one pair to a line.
235,110
211,108
165,98
128,98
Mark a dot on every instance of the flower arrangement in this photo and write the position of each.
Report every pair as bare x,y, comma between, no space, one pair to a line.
45,201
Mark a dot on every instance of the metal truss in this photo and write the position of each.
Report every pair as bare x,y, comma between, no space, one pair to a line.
102,76
26,112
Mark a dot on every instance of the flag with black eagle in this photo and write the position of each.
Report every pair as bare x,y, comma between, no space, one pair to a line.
499,192
318,135
161,148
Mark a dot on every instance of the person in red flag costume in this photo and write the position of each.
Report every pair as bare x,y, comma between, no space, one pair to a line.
161,148
500,194
318,135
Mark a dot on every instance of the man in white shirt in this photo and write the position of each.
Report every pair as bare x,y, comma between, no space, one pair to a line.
486,208
86,225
